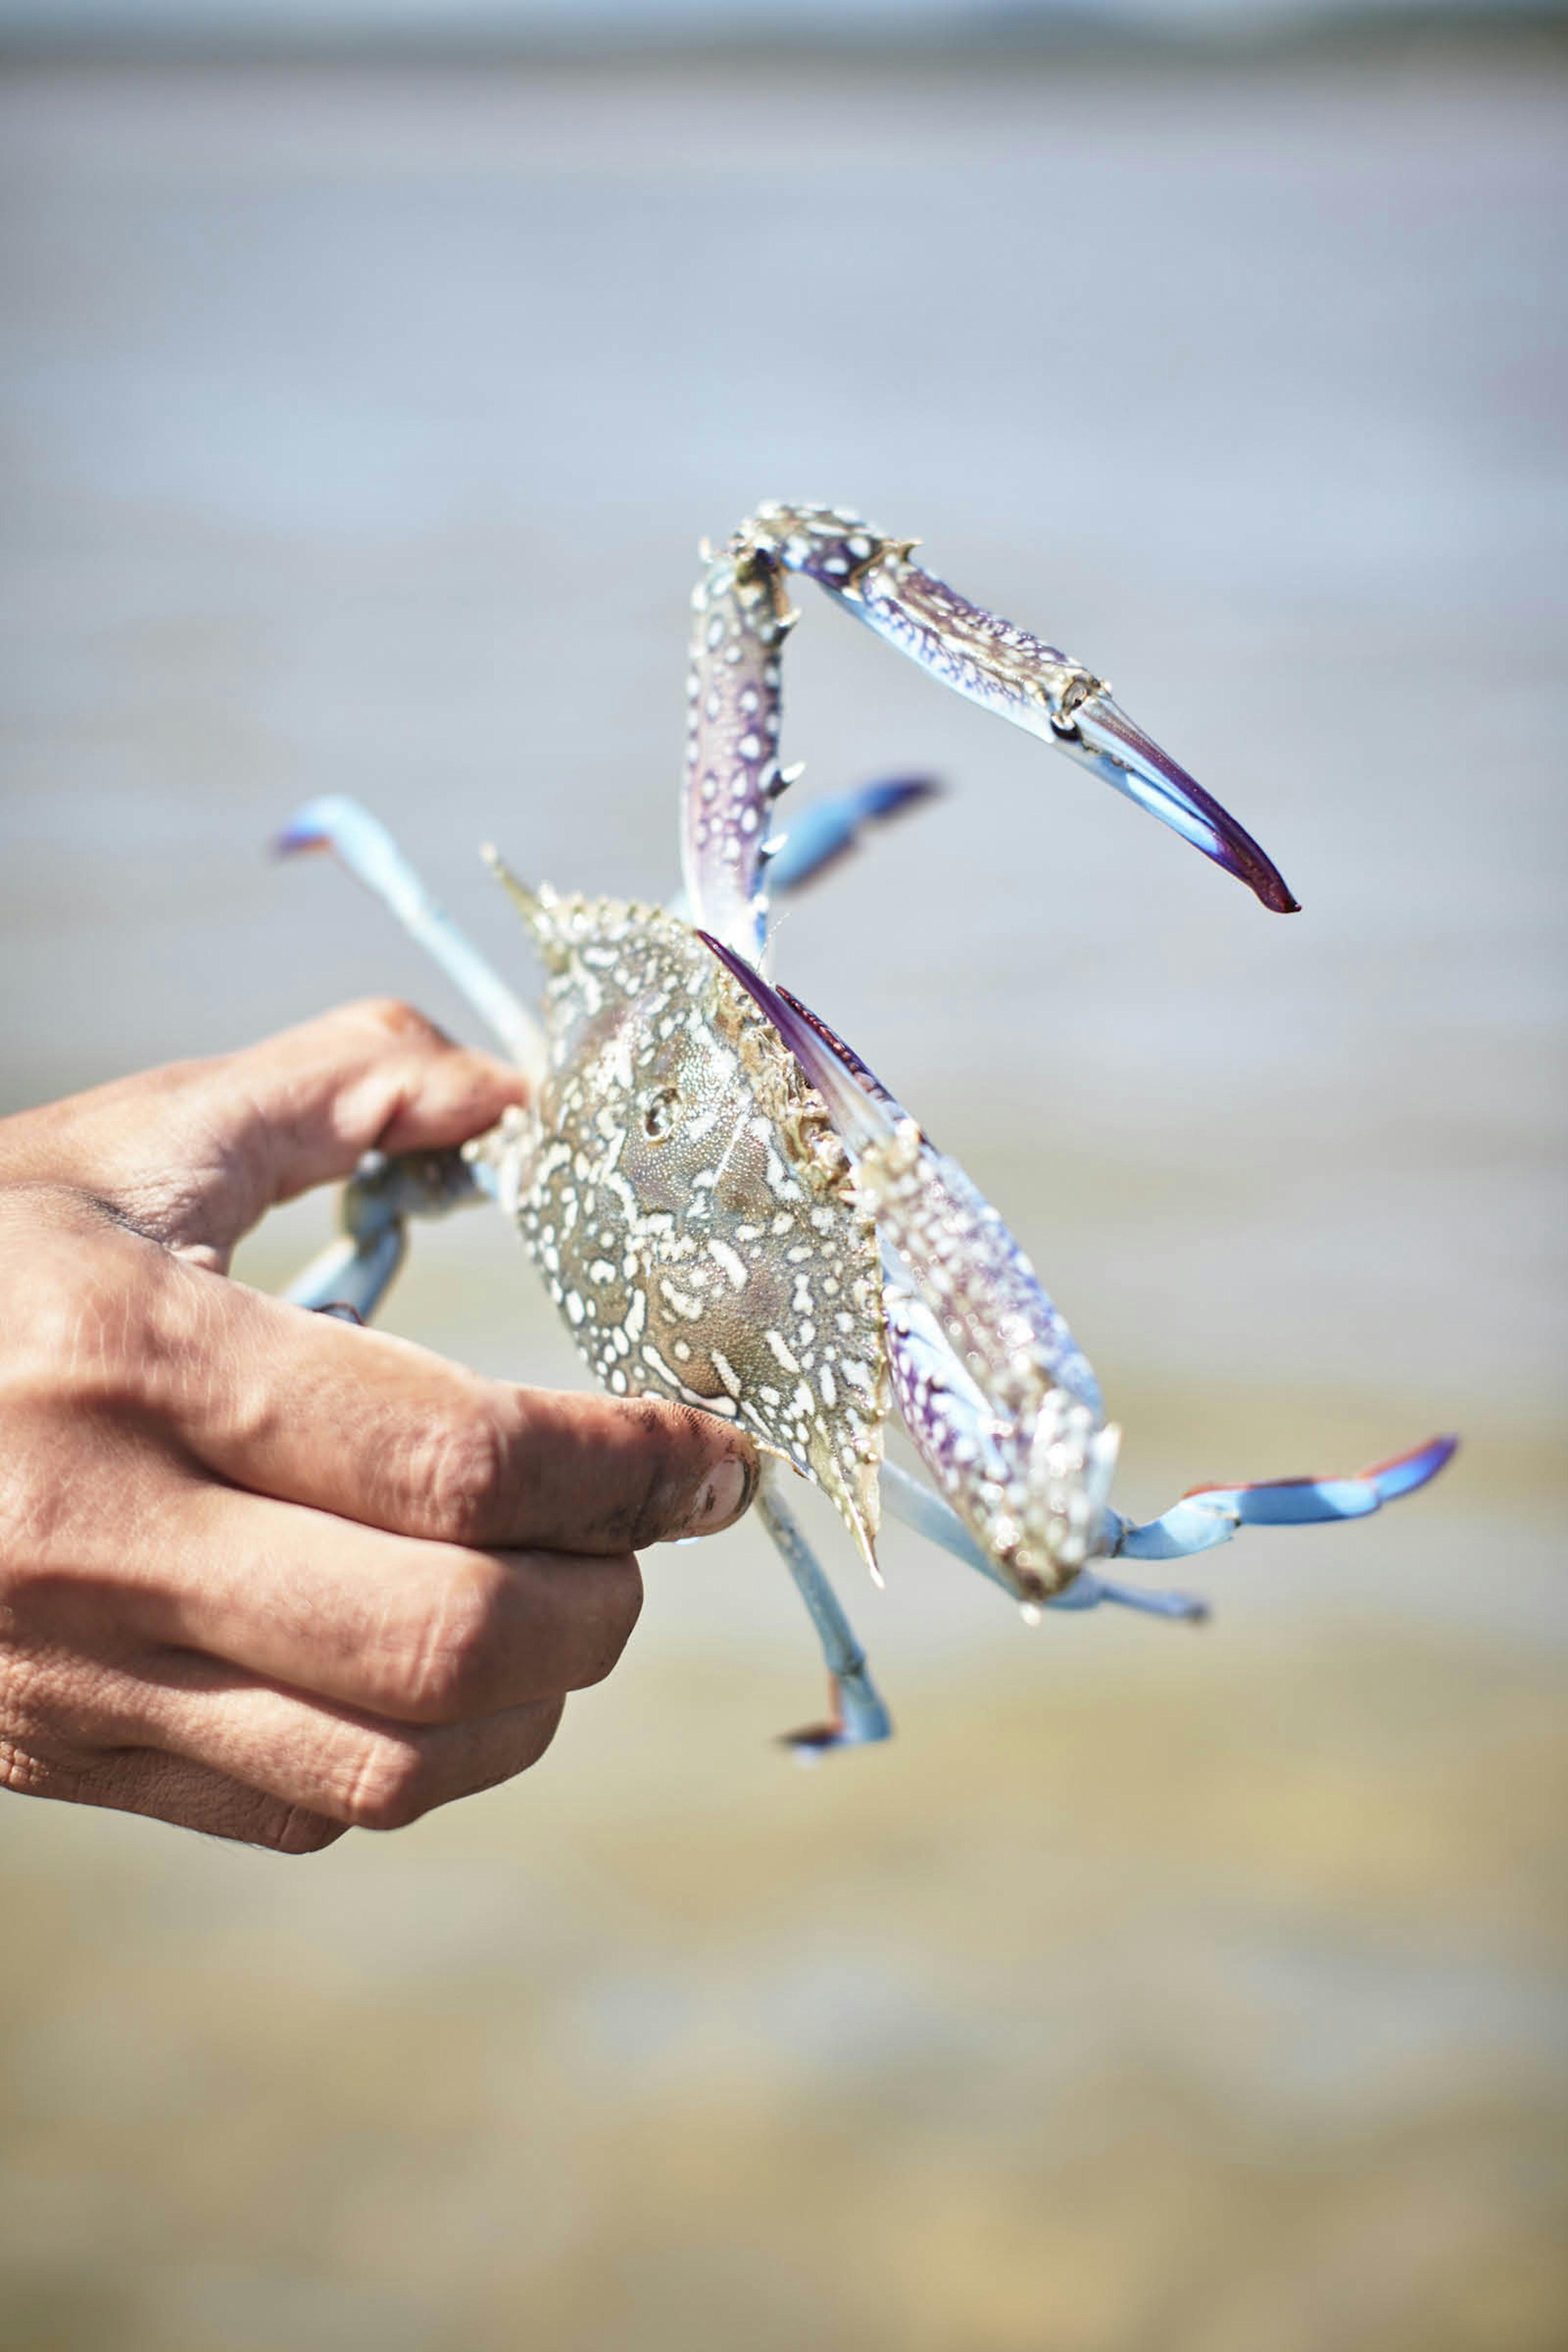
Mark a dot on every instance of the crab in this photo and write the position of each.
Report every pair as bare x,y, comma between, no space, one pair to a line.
730,1209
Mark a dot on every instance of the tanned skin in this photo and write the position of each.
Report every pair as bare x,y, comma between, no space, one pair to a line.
261,1573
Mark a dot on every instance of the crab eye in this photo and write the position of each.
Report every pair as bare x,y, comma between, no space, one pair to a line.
658,1114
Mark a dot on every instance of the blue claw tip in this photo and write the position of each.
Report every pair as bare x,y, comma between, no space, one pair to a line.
890,793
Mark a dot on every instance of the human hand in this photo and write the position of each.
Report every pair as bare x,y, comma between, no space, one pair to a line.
261,1573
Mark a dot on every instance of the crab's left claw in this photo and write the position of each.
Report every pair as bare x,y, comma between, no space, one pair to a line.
1006,669
1208,1515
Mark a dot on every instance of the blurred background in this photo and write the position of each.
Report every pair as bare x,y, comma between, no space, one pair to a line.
372,370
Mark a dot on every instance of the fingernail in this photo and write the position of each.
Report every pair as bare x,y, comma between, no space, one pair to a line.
722,1495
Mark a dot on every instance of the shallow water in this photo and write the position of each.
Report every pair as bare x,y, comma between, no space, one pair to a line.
1153,1991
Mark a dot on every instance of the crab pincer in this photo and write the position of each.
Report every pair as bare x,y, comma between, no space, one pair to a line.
1006,669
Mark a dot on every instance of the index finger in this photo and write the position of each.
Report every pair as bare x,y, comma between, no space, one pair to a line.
309,1410
196,1151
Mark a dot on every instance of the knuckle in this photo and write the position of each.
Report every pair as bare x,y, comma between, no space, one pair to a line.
391,1017
390,1784
74,1328
24,1774
440,1673
460,1475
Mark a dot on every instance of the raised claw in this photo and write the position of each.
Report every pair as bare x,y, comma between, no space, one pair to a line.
1006,669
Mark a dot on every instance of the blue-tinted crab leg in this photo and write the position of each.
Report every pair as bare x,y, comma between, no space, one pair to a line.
817,837
825,833
372,855
859,1714
357,1269
1213,1515
350,1272
741,617
1007,670
905,1497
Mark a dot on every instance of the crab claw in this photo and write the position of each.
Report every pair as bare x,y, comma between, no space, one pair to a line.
1100,735
861,1119
1006,669
1002,1405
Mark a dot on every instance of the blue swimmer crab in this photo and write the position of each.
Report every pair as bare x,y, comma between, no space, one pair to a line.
729,1209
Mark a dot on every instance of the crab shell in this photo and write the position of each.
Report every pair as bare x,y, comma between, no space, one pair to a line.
688,1205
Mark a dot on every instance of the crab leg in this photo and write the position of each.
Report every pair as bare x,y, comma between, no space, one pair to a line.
358,1268
818,836
1207,1515
859,1714
372,857
1004,668
904,1497
825,833
999,1402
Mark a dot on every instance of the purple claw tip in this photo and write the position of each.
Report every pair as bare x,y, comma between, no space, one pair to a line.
1406,1472
295,837
1240,856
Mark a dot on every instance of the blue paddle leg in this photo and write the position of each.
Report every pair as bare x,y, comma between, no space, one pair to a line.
1212,1515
